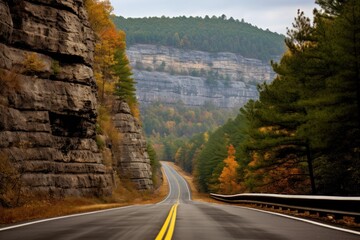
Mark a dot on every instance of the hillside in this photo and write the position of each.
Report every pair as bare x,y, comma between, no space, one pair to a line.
302,134
215,34
186,64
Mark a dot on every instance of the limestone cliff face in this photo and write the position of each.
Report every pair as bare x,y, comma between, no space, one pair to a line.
130,154
48,97
192,91
168,75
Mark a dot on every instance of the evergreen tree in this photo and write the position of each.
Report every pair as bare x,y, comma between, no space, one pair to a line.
311,109
125,85
332,124
217,34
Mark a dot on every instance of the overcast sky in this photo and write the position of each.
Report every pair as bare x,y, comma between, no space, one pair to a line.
275,15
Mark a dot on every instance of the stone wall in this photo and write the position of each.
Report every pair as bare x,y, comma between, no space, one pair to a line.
48,97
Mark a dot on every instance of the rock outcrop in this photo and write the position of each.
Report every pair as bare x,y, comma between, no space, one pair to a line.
225,65
169,75
131,159
192,91
48,97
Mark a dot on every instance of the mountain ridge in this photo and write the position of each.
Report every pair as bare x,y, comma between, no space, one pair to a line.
215,34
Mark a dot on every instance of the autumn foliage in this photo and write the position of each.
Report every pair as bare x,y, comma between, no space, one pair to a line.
229,175
112,69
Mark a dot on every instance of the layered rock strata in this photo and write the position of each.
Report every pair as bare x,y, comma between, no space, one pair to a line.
192,91
225,65
131,160
48,97
170,75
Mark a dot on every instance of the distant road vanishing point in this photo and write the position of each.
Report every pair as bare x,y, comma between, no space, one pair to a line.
176,217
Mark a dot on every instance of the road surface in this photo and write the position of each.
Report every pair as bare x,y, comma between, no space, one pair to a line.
176,217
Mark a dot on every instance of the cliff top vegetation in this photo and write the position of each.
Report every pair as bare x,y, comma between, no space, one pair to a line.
210,34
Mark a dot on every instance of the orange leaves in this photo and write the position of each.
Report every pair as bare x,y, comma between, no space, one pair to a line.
115,38
229,175
109,41
99,15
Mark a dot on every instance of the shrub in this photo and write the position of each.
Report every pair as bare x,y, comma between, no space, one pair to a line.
9,80
33,63
55,67
10,183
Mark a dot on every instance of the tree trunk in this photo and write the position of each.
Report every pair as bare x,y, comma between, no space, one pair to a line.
311,169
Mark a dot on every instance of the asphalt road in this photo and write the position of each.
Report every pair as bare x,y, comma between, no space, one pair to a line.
176,217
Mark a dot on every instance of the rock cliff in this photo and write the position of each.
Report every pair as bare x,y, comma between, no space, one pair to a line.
192,91
131,159
168,75
48,97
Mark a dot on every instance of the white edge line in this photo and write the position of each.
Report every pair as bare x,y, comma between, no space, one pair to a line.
303,220
81,214
187,186
167,179
63,217
181,177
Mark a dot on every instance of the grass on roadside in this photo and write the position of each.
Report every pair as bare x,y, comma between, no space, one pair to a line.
124,195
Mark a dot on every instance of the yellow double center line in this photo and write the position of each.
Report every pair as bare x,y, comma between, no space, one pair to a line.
169,224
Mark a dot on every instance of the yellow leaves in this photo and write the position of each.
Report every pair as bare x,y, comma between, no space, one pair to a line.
171,111
109,41
206,137
99,15
134,108
106,126
229,175
104,54
170,125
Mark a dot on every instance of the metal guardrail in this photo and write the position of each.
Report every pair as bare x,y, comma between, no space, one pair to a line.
338,207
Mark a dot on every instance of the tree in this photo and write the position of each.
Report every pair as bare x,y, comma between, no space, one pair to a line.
333,124
229,176
99,15
310,111
108,40
213,35
125,84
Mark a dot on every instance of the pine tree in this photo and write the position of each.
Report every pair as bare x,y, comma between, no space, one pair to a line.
125,85
311,110
281,158
333,112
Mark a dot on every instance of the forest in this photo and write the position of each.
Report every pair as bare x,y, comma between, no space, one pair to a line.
210,34
169,126
302,135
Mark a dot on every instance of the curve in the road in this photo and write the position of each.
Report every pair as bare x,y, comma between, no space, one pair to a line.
186,220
